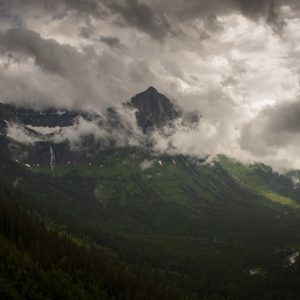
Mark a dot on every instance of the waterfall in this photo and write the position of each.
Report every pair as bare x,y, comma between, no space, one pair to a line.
52,159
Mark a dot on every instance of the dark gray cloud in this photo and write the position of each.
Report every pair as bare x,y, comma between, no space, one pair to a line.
274,128
141,16
131,13
256,8
86,7
72,71
111,41
267,9
48,54
284,118
159,19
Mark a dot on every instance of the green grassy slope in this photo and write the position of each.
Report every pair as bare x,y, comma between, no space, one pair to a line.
261,180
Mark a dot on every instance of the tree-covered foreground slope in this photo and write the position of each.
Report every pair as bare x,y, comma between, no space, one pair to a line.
40,260
137,226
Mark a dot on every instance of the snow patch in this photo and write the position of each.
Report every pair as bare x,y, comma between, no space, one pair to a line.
254,272
45,130
293,258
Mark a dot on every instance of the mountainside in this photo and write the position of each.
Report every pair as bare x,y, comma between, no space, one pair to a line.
186,221
44,118
26,134
119,221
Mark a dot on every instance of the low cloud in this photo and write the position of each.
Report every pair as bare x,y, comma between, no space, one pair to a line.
20,135
147,164
117,129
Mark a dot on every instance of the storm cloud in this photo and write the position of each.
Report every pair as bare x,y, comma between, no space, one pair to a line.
234,62
275,132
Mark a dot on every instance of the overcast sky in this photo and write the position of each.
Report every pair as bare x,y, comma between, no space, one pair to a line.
234,61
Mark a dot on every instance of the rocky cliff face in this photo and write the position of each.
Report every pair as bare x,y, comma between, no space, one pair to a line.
153,109
44,118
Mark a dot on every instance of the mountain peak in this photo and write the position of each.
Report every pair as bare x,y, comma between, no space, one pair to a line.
153,109
151,89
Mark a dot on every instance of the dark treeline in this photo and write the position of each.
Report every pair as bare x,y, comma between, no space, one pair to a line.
38,261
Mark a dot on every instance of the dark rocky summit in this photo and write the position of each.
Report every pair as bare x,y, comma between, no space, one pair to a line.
153,109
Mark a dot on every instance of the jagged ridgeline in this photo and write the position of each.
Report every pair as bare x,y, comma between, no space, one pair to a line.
94,218
79,136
